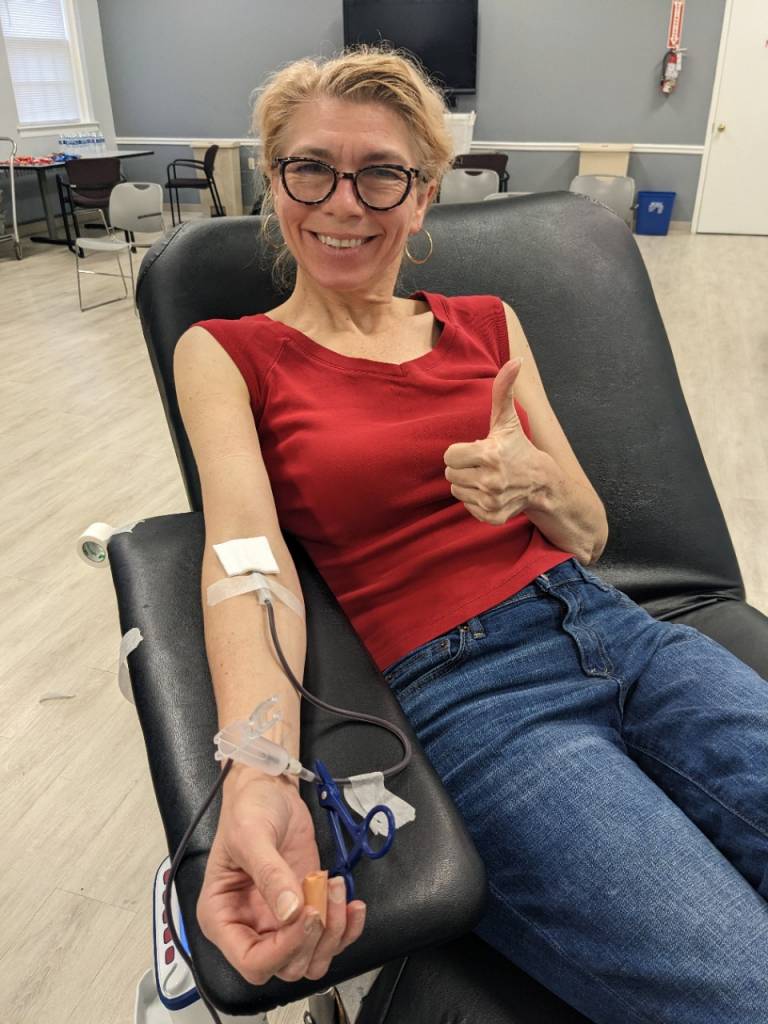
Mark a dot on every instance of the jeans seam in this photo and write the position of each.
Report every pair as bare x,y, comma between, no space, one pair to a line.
640,1018
698,785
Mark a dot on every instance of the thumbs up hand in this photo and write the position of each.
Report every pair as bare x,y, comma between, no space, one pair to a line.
496,477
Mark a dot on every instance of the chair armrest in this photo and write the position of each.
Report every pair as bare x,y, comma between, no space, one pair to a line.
198,164
429,888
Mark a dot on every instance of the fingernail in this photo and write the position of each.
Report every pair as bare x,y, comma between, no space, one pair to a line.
311,921
287,902
338,890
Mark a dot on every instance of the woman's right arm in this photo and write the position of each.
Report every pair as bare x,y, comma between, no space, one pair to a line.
251,904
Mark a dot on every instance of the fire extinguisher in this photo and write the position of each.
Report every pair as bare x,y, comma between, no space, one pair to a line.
670,70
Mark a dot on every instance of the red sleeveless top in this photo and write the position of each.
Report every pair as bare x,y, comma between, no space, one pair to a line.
354,452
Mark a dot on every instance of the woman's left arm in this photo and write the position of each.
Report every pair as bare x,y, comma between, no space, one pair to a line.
565,506
506,474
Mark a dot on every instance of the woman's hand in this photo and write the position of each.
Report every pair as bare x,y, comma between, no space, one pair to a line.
497,477
251,904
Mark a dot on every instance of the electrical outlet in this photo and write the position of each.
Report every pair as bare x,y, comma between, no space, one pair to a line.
251,164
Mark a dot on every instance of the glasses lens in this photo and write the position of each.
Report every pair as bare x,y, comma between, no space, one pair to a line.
307,180
382,187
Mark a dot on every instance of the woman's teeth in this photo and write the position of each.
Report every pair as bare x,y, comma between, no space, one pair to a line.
341,243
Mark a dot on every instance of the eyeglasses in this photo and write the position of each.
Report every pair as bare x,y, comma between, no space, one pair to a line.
379,186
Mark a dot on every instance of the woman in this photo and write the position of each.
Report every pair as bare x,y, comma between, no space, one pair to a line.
603,761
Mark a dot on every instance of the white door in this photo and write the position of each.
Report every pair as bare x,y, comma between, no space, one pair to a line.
733,190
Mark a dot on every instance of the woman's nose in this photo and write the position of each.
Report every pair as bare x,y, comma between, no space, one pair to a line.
344,197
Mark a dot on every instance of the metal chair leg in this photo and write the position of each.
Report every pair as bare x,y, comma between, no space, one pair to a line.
122,275
216,198
77,279
133,284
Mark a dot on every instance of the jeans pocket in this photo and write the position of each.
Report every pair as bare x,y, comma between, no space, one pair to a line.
428,662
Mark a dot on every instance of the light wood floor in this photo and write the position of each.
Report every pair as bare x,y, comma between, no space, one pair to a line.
84,439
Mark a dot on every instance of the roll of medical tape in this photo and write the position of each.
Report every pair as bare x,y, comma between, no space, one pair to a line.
92,544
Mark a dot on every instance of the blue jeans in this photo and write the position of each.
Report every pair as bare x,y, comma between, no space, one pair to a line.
612,772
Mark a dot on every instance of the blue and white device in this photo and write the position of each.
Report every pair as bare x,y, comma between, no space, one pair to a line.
175,984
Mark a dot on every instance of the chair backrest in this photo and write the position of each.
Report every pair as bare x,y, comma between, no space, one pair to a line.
209,159
615,191
468,186
96,176
575,277
137,206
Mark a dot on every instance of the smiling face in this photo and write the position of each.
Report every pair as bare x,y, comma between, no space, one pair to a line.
340,244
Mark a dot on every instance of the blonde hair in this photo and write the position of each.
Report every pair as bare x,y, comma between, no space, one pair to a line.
363,74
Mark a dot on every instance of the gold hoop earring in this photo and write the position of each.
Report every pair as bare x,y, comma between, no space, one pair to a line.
418,261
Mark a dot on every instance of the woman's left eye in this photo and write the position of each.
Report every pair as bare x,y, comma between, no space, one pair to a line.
384,173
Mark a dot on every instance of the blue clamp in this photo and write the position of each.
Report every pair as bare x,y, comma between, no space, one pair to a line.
338,813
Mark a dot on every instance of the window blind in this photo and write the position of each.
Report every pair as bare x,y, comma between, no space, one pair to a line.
37,40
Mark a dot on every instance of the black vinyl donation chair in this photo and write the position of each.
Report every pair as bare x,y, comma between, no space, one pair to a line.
207,182
572,271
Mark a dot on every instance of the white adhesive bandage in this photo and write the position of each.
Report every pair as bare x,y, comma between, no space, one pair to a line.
363,792
245,560
248,554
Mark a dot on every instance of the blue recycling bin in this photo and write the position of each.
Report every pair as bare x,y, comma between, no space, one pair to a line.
654,212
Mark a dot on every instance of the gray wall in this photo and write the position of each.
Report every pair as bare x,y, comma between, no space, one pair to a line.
589,70
200,61
548,71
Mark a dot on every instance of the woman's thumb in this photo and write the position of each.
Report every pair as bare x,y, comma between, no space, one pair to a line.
275,880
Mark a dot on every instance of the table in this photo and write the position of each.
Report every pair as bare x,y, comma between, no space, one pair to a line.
42,169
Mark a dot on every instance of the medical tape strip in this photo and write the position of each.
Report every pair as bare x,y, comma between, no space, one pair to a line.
129,643
363,792
233,586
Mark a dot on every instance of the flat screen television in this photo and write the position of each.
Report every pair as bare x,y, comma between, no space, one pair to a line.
441,33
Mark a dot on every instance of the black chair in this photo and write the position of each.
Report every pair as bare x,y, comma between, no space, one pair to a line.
492,161
87,186
174,182
669,548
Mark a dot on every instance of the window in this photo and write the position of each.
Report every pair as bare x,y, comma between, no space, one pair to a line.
44,62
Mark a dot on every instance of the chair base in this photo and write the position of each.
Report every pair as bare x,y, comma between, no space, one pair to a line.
104,273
